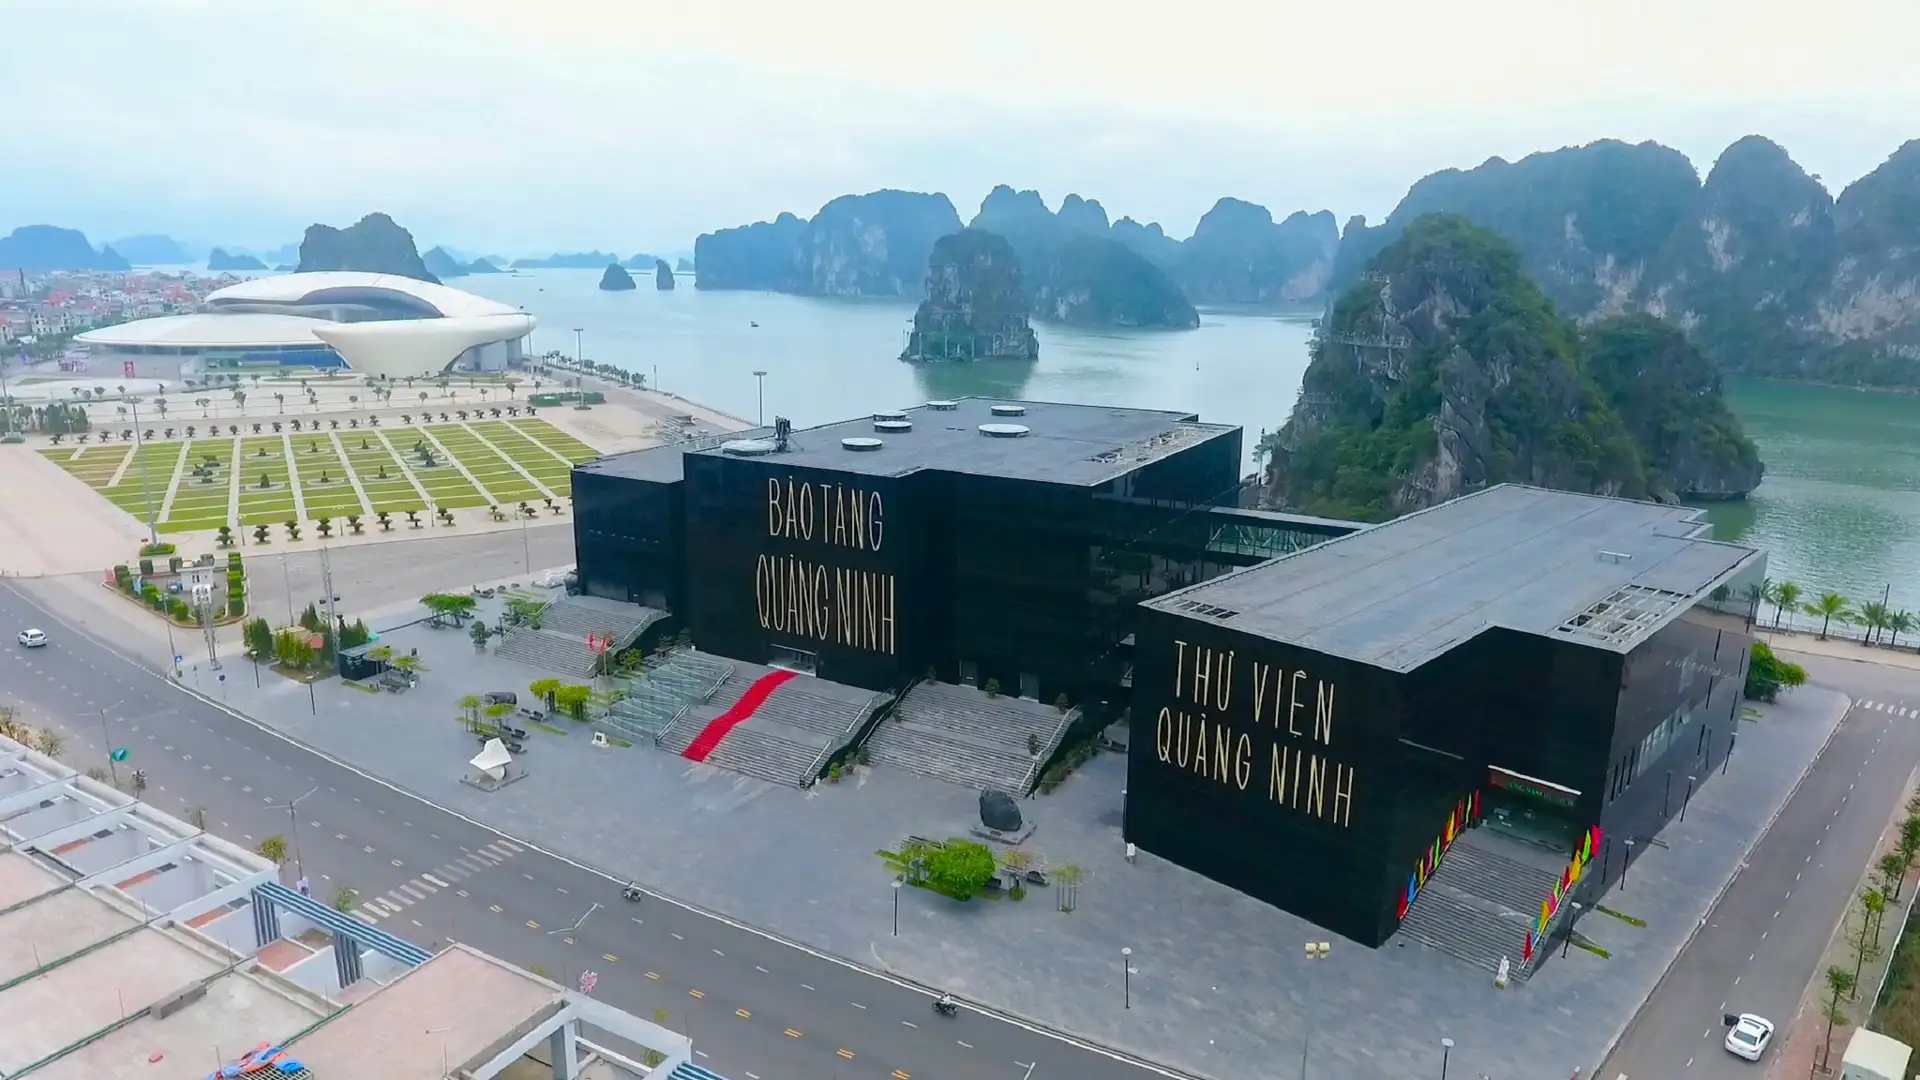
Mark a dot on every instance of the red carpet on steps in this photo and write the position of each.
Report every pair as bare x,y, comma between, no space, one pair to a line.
749,703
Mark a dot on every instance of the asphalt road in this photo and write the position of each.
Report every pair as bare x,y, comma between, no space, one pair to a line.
755,1008
1764,941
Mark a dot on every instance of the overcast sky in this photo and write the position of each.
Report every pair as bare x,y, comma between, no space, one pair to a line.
515,126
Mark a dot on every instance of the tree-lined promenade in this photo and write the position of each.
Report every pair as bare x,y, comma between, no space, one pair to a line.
1879,623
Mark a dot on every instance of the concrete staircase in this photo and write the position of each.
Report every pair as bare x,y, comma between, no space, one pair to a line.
786,739
560,645
766,754
1480,903
962,736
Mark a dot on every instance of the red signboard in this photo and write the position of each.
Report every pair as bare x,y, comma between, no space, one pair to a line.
126,368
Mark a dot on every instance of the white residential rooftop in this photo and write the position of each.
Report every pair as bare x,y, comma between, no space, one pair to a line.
131,946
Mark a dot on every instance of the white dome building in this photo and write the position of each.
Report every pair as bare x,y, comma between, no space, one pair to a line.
375,324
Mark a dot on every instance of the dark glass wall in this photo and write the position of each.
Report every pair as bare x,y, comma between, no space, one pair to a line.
826,564
628,539
1679,707
1269,769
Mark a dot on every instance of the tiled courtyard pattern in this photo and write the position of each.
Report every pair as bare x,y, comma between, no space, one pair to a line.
521,459
1221,986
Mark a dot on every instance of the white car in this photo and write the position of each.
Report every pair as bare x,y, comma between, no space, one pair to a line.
33,639
1750,1036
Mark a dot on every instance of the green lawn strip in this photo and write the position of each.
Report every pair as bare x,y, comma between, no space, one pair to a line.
97,468
392,494
546,468
60,455
446,487
493,471
132,494
273,504
553,438
198,504
323,478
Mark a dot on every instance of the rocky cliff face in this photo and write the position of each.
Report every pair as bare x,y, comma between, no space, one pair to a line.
616,278
373,244
873,245
757,256
662,275
441,264
219,261
1669,396
1445,370
49,247
976,305
1077,273
1238,255
857,245
1765,272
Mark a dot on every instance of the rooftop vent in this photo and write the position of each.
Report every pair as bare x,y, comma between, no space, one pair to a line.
896,427
860,444
889,416
943,406
1003,431
1009,410
748,447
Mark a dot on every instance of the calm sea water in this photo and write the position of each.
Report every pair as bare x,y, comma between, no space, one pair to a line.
1840,508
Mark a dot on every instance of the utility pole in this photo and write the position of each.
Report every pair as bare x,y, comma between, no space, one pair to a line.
140,457
577,331
761,419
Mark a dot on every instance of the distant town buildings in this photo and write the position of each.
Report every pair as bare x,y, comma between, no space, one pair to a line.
64,303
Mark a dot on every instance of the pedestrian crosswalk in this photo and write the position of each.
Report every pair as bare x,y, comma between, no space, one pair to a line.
1890,707
423,886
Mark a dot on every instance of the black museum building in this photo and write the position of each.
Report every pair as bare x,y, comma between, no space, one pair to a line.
1312,702
1306,730
980,540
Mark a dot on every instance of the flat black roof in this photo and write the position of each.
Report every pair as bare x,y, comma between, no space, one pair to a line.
1080,445
1601,572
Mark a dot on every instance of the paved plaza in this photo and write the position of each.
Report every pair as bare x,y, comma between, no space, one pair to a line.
1220,985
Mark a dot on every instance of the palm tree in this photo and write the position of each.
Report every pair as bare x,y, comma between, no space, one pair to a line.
1786,595
1828,607
1873,616
1898,622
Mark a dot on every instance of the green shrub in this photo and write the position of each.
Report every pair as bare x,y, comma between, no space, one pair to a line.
1767,674
162,548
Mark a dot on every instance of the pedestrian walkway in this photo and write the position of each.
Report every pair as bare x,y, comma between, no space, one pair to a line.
422,886
1889,707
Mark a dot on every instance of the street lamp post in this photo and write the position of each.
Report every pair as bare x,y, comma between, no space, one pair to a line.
1126,978
896,907
113,769
293,829
577,331
1626,863
1688,799
1446,1051
1316,950
146,486
1573,920
760,419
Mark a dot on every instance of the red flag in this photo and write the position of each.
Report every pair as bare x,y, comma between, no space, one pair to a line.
1526,951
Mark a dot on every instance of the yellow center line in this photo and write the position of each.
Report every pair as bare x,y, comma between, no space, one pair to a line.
608,957
495,908
743,1014
848,1054
653,975
531,925
697,993
792,1034
901,1074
